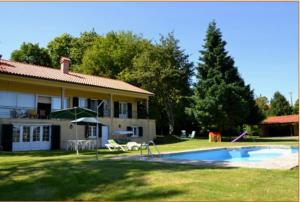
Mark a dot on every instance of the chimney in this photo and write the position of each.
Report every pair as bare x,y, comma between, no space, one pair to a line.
64,65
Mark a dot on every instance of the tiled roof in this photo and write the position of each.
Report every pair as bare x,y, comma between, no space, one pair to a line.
282,119
35,71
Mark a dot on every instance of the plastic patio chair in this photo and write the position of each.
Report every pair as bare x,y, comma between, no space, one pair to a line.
112,145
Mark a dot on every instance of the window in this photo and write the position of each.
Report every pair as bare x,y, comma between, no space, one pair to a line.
56,103
106,109
82,102
25,100
8,99
16,134
92,131
94,104
46,133
26,134
66,102
123,110
135,130
36,133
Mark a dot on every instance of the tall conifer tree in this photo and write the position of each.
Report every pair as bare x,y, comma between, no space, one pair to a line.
222,101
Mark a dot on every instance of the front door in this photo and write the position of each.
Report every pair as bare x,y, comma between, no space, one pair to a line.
104,136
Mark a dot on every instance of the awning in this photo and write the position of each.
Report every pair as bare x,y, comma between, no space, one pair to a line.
86,121
122,132
73,113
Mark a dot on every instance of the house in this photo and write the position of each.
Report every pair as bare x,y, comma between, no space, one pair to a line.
281,126
28,93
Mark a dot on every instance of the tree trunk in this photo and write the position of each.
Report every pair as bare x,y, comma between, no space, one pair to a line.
170,115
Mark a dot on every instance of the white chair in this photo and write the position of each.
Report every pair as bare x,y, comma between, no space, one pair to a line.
133,146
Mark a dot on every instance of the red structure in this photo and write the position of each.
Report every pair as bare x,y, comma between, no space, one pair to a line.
214,137
287,125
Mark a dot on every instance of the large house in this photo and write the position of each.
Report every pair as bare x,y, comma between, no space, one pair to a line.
29,93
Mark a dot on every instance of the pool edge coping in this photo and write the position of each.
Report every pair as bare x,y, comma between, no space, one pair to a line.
293,160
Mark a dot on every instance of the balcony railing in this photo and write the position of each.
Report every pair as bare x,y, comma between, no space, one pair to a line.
35,113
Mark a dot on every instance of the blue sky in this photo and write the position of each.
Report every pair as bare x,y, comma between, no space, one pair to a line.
261,37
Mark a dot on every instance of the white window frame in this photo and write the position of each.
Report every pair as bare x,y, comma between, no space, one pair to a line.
92,132
135,130
42,133
31,127
38,135
19,134
55,98
123,110
30,133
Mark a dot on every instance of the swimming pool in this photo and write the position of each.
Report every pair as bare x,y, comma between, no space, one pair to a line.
256,156
242,154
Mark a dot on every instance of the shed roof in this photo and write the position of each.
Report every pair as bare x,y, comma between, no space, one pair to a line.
282,119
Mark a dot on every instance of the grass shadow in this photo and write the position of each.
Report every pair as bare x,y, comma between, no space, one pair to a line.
76,179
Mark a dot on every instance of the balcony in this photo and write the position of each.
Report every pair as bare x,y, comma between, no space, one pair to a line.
44,113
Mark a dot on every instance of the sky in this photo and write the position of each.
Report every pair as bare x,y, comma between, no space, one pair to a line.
262,37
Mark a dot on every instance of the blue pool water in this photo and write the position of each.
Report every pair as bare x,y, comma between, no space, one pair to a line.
245,154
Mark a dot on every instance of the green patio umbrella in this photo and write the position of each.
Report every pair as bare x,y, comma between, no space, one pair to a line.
73,114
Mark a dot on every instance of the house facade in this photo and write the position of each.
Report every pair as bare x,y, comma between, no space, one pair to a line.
29,93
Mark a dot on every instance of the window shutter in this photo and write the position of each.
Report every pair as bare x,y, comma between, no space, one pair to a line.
116,109
6,139
101,108
86,131
129,108
89,103
100,130
75,101
55,137
140,131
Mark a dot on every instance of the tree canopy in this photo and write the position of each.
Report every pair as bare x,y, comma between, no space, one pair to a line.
263,104
32,54
164,69
222,101
112,54
279,105
296,107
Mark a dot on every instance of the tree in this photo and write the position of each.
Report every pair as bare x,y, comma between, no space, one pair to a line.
222,101
80,45
71,47
263,104
60,47
279,105
164,69
296,107
111,54
32,54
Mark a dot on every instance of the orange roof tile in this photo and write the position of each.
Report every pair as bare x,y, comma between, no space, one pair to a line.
282,119
40,72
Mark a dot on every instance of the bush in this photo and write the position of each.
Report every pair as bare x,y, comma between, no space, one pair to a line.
253,130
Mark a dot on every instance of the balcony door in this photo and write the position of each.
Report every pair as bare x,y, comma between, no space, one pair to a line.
44,107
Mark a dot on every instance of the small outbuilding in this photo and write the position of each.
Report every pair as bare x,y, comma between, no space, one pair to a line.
281,126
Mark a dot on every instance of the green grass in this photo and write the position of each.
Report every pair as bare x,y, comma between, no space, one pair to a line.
59,175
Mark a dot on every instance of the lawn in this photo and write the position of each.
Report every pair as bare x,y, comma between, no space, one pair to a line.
59,175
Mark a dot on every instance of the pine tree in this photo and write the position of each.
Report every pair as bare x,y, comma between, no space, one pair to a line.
222,101
279,105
